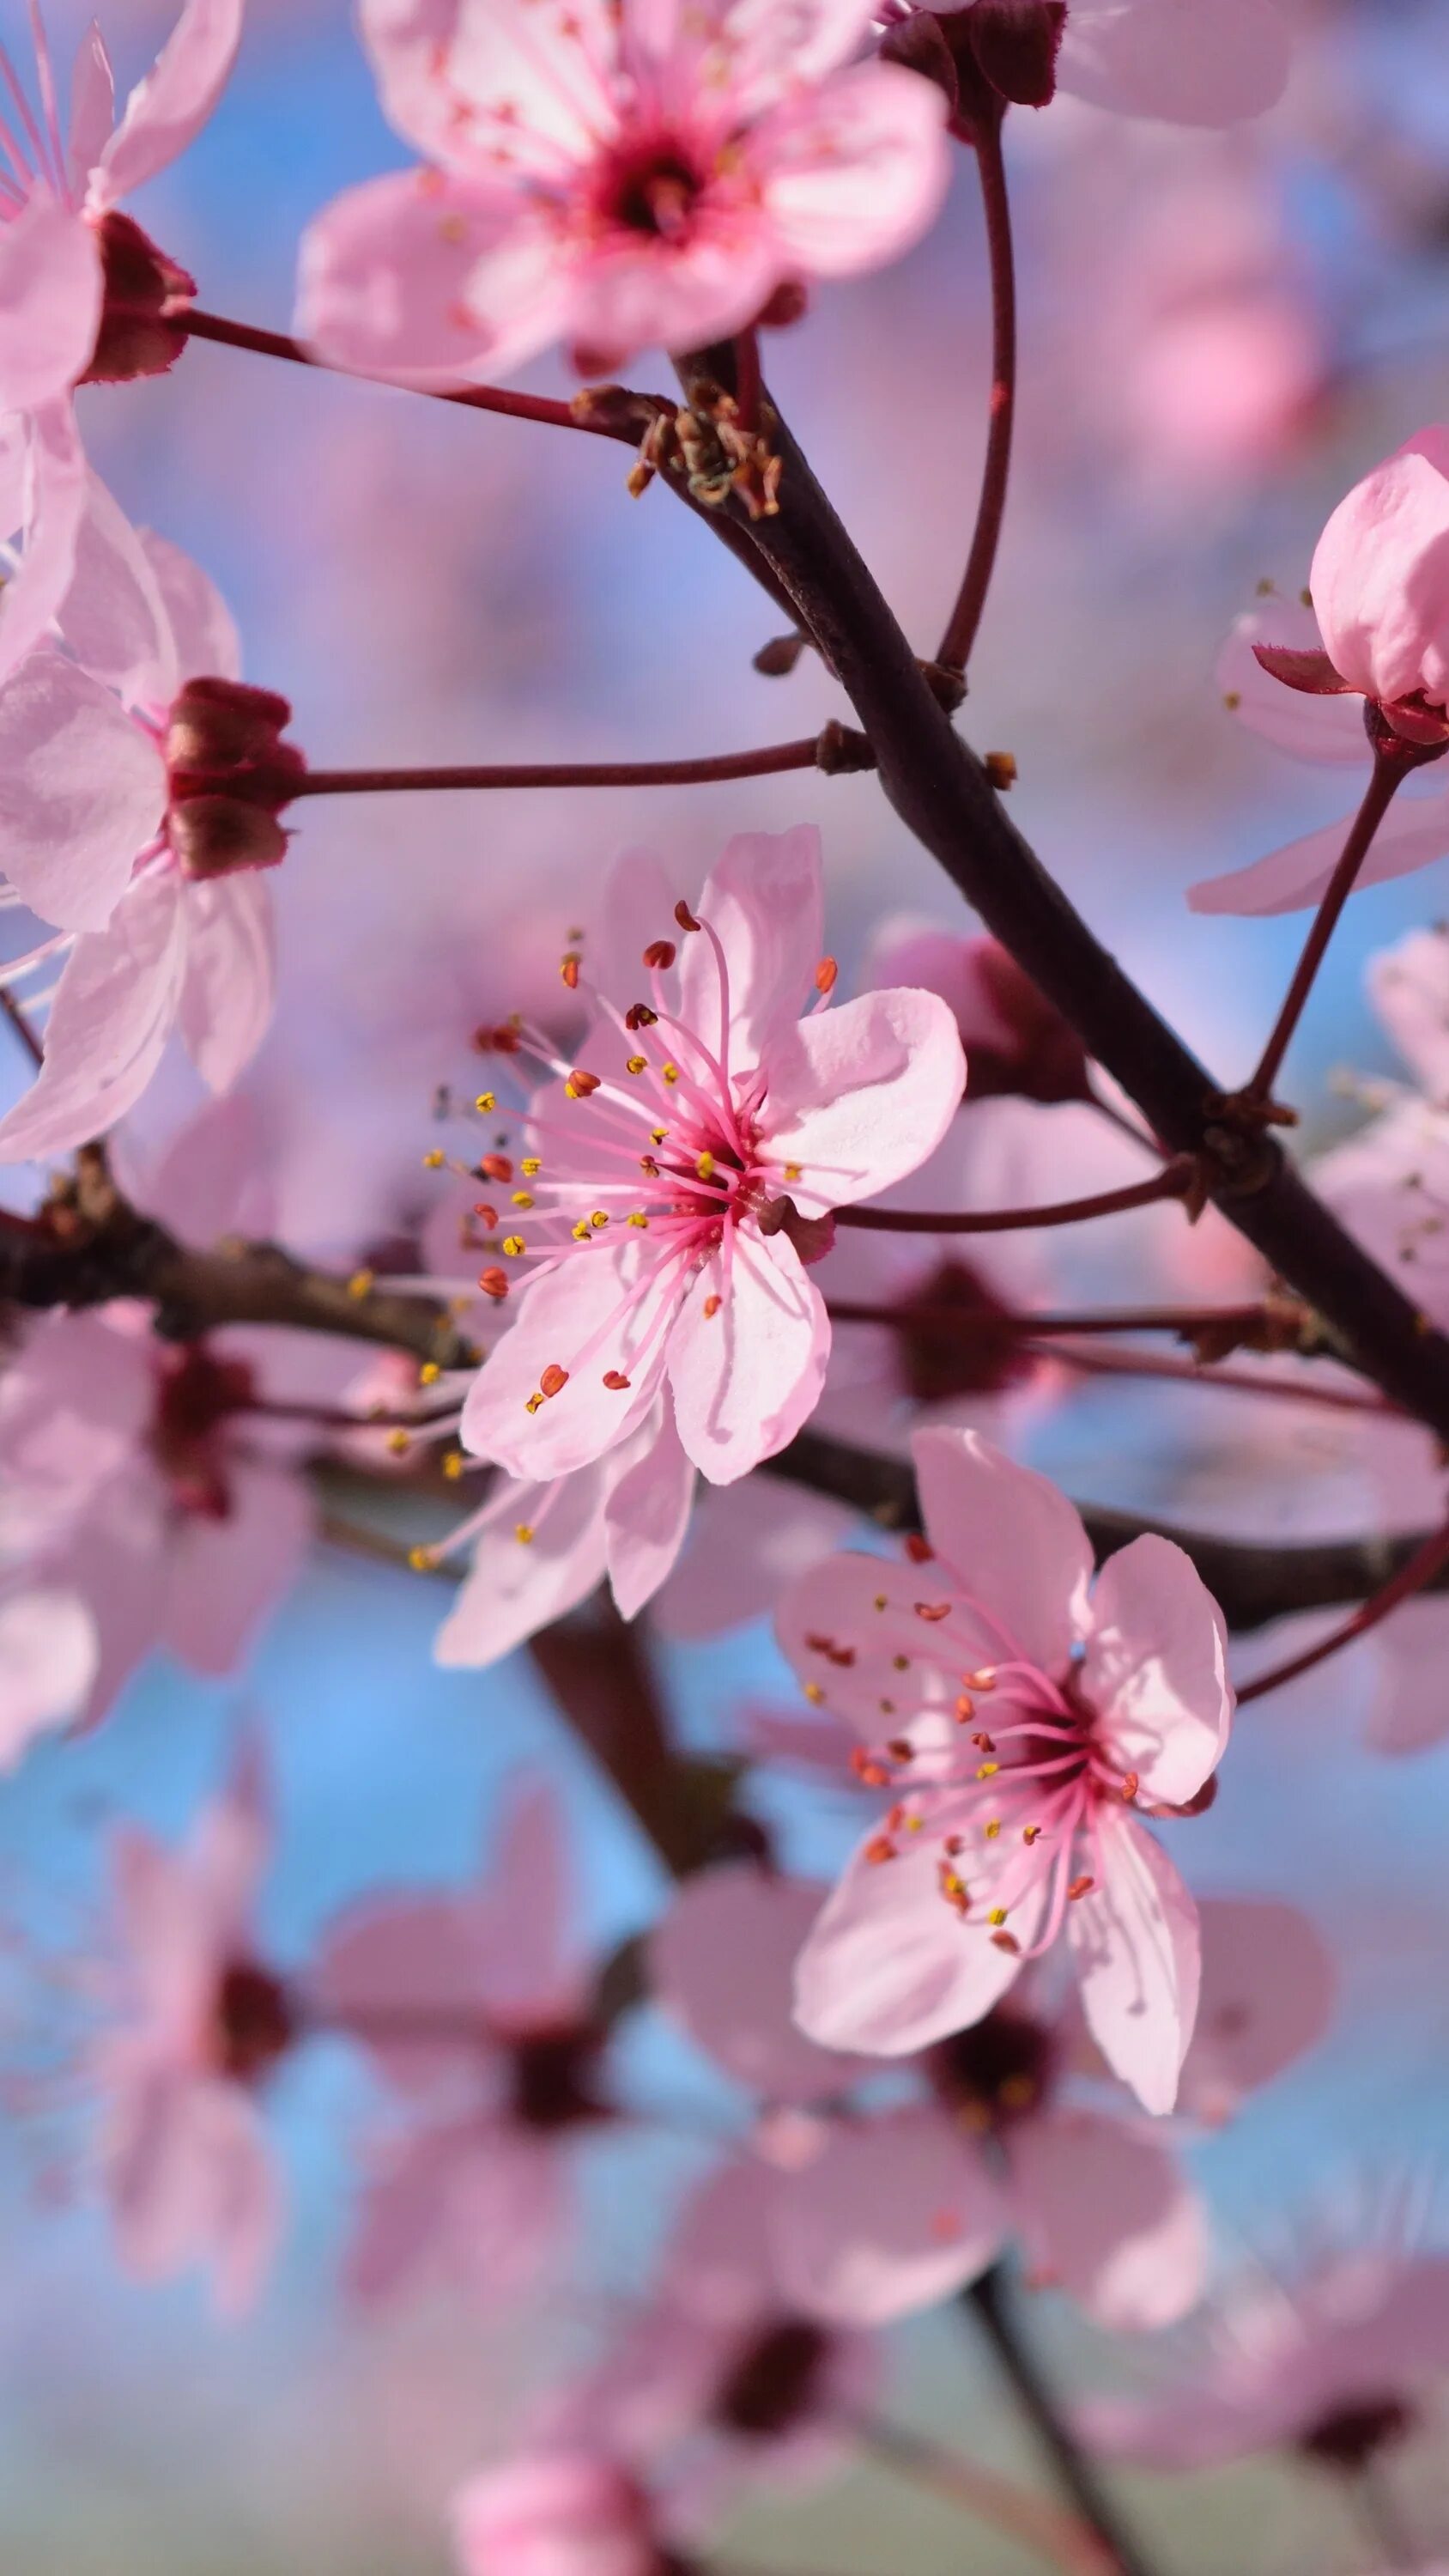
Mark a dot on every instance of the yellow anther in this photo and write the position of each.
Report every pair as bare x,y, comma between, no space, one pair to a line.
814,1694
914,1824
514,1246
704,1165
992,1828
399,1443
360,1284
599,1219
900,1663
881,1602
657,1135
523,1532
794,1171
533,1404
531,1166
486,1101
1017,2093
987,1770
637,1064
638,1218
429,1373
434,1160
670,1072
521,1198
422,1559
454,1464
997,1916
580,1232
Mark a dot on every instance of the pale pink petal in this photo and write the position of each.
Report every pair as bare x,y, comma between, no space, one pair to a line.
894,2214
563,2514
1105,2215
50,302
468,2205
1008,1541
768,52
861,1095
1408,986
229,1576
114,619
647,1516
635,293
529,1965
117,1561
1411,1704
173,102
209,1180
764,903
230,986
1191,62
559,1315
75,1405
889,1966
1306,727
636,905
427,281
547,62
722,1965
82,792
55,499
745,1378
191,2179
112,1014
854,172
1377,584
1134,1943
1267,1994
165,1928
1156,1669
519,1584
203,629
48,1658
747,1543
846,1621
400,1976
230,1846
1412,835
92,107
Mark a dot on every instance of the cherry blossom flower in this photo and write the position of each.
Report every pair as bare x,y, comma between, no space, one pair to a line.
48,1657
1015,1041
560,2513
141,782
1328,2362
86,296
475,2009
1390,1182
1029,1716
685,1168
1190,62
203,2022
613,180
894,2209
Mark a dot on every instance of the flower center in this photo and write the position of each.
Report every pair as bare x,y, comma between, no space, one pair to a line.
938,1359
552,2076
775,2380
254,2021
651,190
998,2072
196,1396
1354,2434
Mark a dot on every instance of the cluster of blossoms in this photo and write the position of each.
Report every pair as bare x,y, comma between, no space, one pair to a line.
723,1303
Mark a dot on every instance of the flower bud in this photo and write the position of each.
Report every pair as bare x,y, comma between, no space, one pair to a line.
1380,578
231,773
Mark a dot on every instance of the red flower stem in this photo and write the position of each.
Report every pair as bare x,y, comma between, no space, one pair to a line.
496,398
20,1023
1420,1570
965,617
992,2499
1185,1320
765,763
1173,1182
1109,1363
1388,773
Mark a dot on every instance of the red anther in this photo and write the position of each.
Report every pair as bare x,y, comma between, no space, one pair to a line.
580,1084
827,975
895,1821
880,1848
821,1645
1080,1887
569,970
965,1710
844,1656
685,917
489,1214
1130,1787
639,1016
953,1844
873,1773
983,1742
494,1283
554,1379
712,1306
900,1748
497,1040
659,954
615,1381
1030,1834
1008,1942
933,1610
918,1549
495,1167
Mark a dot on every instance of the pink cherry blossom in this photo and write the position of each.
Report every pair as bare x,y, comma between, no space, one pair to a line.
475,2009
48,1657
686,1166
555,2513
1014,1040
1190,62
187,2170
148,862
613,179
84,295
1020,1716
1328,2362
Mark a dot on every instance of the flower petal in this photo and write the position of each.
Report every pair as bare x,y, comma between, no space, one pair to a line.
647,1516
746,1377
889,1966
48,1658
114,618
1009,1541
173,102
1106,2215
1176,59
50,302
55,499
203,629
1134,1943
1411,836
861,1095
82,792
426,281
517,1586
852,173
1307,728
229,990
894,2214
113,1012
765,905
722,1965
229,1575
1267,1995
559,1315
1156,1669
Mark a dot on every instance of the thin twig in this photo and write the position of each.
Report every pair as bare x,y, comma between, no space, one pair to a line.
1411,1578
965,617
837,748
989,2301
1173,1182
495,398
1387,777
20,1023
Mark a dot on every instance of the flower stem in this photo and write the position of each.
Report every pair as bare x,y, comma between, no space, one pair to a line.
1158,1364
1411,1578
996,2500
987,2298
20,1023
1173,1182
1185,1321
496,398
1388,773
965,617
812,751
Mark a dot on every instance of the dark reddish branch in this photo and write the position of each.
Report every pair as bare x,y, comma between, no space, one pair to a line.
837,749
992,2300
1428,1561
942,793
965,619
597,1668
1174,1182
1258,1326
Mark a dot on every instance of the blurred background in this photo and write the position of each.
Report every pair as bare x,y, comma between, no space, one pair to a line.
1220,334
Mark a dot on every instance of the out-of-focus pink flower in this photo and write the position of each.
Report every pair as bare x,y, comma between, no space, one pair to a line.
185,2161
1019,1716
1014,1040
688,1164
84,295
564,2513
474,2008
48,1657
1328,2364
128,817
1390,1182
1190,62
613,179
